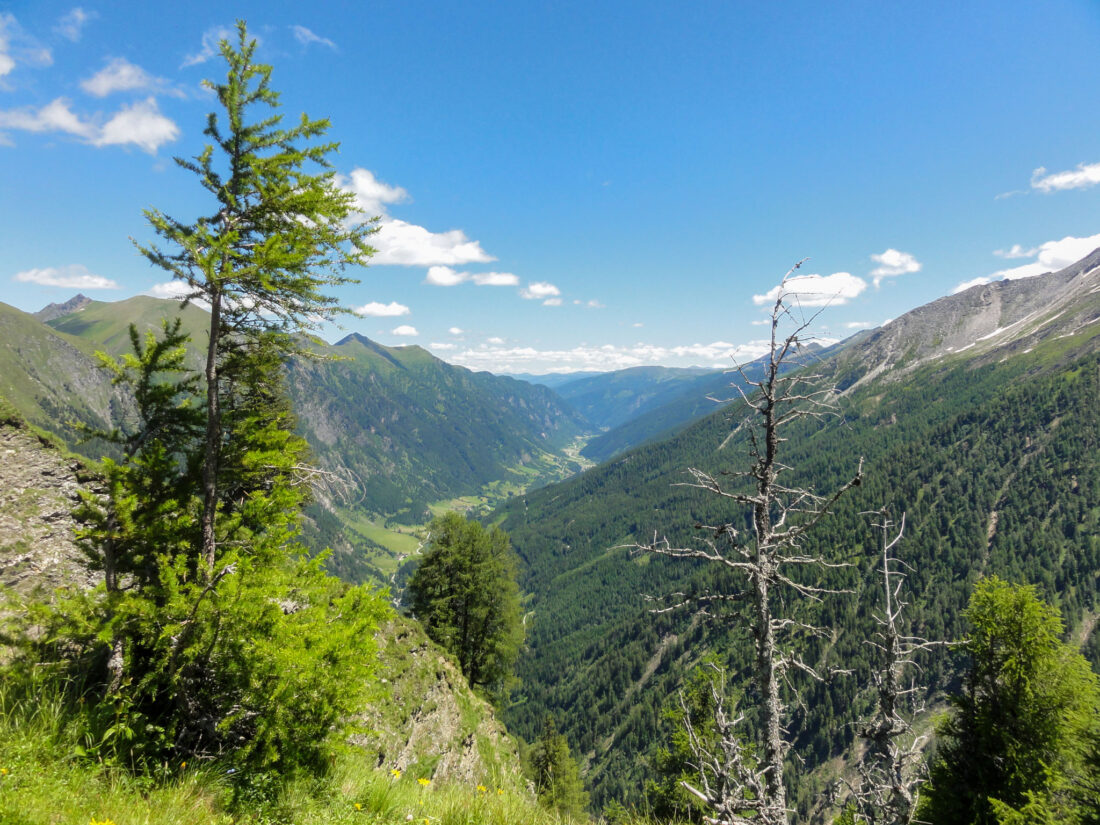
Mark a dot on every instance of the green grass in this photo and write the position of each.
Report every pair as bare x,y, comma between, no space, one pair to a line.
43,783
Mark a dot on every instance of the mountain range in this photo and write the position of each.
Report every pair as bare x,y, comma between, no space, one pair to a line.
977,415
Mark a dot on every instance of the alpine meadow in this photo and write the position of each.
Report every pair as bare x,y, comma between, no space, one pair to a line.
485,451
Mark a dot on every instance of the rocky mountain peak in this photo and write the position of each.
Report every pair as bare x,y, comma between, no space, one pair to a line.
51,311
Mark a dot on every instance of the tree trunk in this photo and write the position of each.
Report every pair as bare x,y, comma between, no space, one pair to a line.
212,449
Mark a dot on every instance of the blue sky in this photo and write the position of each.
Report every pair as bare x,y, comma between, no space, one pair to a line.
581,185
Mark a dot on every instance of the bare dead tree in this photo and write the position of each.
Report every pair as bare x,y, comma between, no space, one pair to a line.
890,770
744,783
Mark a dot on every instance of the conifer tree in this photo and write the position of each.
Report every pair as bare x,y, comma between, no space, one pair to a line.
1017,747
214,636
277,236
556,776
465,594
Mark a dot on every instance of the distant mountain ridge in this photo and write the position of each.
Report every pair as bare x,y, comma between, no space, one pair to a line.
51,311
983,323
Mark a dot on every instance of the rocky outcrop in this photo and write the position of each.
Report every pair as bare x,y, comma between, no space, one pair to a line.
38,491
431,722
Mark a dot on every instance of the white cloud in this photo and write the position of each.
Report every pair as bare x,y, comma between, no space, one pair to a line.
71,25
638,325
1084,176
371,195
443,347
893,262
816,290
211,40
7,62
495,279
1053,256
405,330
16,46
494,355
407,244
444,276
378,310
400,243
306,37
75,276
858,325
540,291
170,289
120,75
456,331
141,124
552,302
1017,251
55,116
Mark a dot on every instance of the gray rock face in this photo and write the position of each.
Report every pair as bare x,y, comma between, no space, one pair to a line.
985,322
51,311
38,491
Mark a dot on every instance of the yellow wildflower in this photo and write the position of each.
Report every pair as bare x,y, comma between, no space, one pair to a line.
481,789
3,771
396,773
358,807
500,791
424,782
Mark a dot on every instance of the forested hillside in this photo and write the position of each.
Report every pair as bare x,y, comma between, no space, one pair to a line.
609,399
993,462
414,429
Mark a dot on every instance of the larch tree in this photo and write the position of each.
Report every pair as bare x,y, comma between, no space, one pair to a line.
742,781
215,636
555,773
280,232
